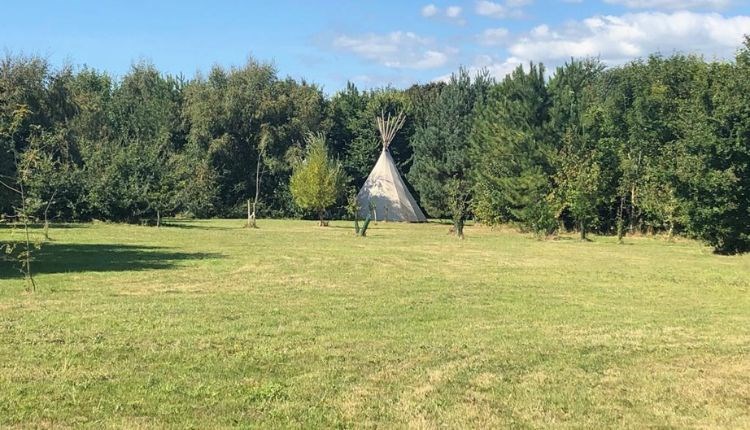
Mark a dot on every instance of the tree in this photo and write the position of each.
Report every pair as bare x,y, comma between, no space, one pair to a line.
511,154
23,173
23,111
579,184
130,174
317,180
242,122
49,174
713,173
291,111
441,168
580,155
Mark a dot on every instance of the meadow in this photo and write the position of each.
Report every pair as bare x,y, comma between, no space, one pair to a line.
205,324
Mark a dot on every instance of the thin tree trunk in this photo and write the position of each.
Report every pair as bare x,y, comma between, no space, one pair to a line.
27,255
458,227
620,221
583,231
46,219
320,214
632,209
251,216
158,218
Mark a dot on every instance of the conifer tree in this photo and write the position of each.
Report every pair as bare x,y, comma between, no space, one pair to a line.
510,153
441,169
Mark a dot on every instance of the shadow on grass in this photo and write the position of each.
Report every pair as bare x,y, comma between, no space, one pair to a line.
347,227
77,258
39,226
197,226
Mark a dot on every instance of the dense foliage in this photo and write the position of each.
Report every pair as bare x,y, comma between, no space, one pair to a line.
317,179
442,166
661,144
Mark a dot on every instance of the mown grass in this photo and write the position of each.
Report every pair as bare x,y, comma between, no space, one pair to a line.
205,324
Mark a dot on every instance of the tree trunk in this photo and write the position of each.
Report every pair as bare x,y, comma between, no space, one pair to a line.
252,216
46,219
320,215
158,218
583,231
620,221
458,227
632,209
31,285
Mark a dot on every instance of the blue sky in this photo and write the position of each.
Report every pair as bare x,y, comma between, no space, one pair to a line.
372,43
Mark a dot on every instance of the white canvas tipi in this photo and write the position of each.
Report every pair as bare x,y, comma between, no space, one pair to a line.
384,195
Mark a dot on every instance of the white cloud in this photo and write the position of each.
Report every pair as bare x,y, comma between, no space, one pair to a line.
508,9
450,13
429,11
389,78
399,49
494,36
429,60
518,3
492,9
497,68
615,39
453,11
620,38
671,4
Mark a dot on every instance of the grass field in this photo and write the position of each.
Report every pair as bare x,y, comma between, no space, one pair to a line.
204,324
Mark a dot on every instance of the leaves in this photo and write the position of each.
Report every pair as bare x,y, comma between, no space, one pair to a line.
317,180
441,168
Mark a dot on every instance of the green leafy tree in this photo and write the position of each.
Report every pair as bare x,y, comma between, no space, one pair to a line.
23,173
130,175
23,111
713,174
242,122
317,180
582,158
50,176
578,181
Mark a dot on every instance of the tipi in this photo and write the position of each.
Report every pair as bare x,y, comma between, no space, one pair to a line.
384,195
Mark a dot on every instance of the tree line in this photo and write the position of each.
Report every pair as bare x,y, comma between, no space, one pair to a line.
658,145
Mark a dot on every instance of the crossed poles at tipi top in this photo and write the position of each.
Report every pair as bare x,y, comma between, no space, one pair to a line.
389,126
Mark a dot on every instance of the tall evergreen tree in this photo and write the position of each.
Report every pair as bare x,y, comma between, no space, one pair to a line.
441,168
511,153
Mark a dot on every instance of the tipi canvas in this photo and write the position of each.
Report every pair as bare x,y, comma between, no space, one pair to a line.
384,195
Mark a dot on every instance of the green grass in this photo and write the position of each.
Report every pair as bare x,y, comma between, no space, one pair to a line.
209,325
